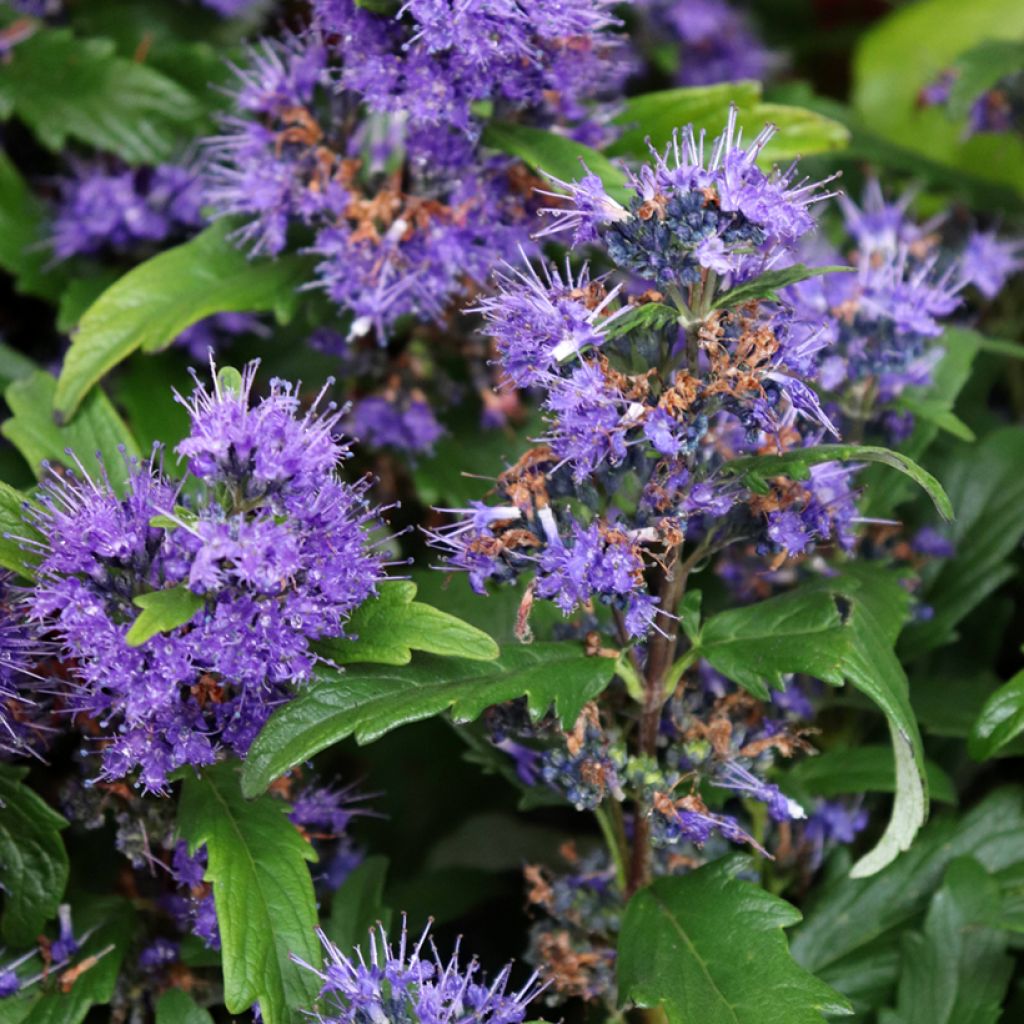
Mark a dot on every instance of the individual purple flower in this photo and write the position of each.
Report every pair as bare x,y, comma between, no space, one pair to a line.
104,210
408,983
733,776
539,322
273,548
831,823
988,261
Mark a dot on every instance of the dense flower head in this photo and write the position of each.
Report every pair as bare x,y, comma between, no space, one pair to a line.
405,424
694,209
113,210
715,40
407,983
272,549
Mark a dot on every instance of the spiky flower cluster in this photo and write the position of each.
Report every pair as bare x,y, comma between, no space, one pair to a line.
653,376
264,551
882,322
357,139
410,985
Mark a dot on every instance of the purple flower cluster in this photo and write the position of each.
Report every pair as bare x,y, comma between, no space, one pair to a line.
104,210
20,650
714,39
358,140
407,426
651,375
408,985
998,109
269,551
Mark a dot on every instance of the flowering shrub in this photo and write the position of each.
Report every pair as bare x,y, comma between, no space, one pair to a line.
510,511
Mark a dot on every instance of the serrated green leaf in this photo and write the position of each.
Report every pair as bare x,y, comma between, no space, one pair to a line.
153,303
797,463
162,611
392,625
176,1007
262,891
555,155
12,555
986,487
757,645
1000,721
767,285
864,769
33,430
33,862
956,971
358,905
848,917
710,949
372,701
66,87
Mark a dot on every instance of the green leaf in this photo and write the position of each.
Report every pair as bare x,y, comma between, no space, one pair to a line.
154,302
162,611
12,555
14,365
66,87
759,644
393,625
986,487
710,949
23,236
372,701
555,155
262,890
656,115
796,464
998,347
956,970
848,917
33,862
865,769
175,1007
358,905
878,609
1001,720
935,410
33,430
767,285
906,51
649,316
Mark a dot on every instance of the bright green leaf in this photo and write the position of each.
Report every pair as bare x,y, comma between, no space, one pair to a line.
262,891
710,949
555,155
162,611
33,430
393,625
66,87
372,701
33,863
649,316
12,525
1001,720
154,302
